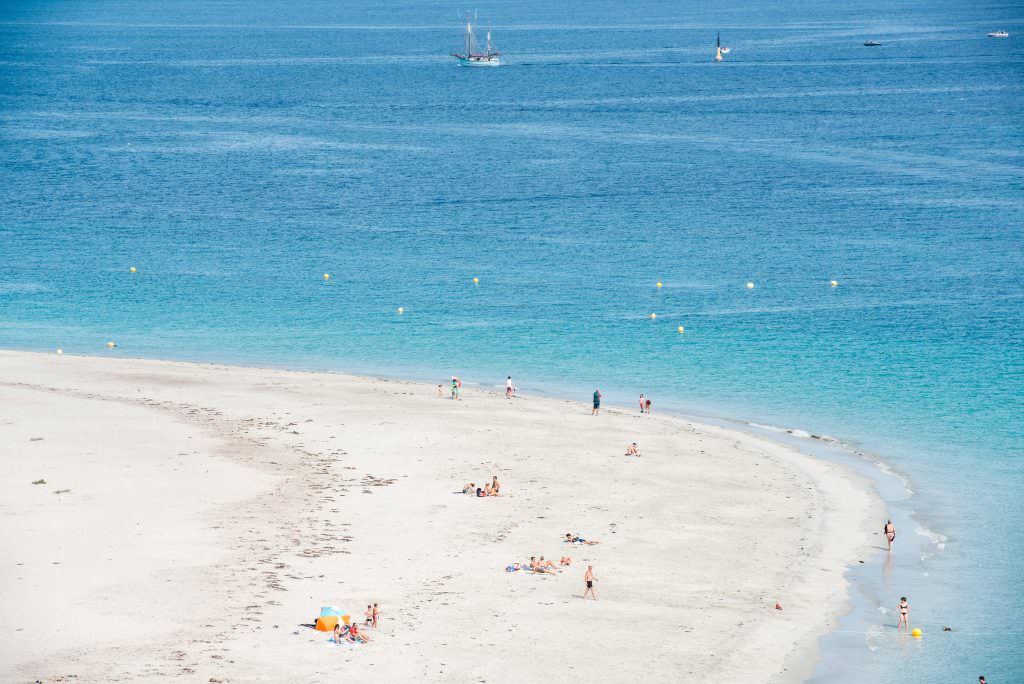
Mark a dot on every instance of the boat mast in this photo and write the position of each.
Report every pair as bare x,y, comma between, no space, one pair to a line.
469,37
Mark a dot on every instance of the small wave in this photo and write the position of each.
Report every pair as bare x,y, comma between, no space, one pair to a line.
796,432
939,540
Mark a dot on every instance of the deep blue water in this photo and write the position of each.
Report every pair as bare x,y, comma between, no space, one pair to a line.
234,152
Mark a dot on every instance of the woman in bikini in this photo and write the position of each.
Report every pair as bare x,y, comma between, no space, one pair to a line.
495,486
904,609
890,532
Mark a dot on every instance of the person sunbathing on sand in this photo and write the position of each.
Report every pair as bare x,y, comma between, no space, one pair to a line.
468,489
488,491
355,636
546,563
480,492
535,566
495,485
565,560
340,634
572,539
633,450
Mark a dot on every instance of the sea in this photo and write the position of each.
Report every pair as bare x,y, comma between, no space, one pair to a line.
235,153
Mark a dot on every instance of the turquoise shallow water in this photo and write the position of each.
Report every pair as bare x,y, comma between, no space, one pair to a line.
234,152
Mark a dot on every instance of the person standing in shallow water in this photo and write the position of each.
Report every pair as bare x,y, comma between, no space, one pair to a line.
890,533
904,609
597,402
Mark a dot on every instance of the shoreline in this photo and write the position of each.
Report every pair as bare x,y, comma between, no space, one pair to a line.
842,538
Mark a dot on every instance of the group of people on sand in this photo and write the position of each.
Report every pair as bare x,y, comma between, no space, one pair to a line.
492,489
645,404
351,634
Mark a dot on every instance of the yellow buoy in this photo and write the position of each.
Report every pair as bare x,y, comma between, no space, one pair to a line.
834,283
401,310
653,316
111,344
60,352
916,633
132,269
476,281
659,284
681,329
327,276
750,286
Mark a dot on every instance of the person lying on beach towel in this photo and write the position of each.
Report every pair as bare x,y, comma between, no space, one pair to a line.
356,636
576,539
565,560
536,566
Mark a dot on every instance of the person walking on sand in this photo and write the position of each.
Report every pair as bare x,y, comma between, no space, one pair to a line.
597,402
647,406
589,578
642,402
510,389
890,533
904,609
456,389
376,615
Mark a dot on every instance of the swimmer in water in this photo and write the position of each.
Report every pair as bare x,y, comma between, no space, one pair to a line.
904,609
890,533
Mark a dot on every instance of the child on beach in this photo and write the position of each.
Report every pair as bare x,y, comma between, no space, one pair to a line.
510,389
368,616
647,406
376,615
633,450
642,402
597,402
904,609
440,394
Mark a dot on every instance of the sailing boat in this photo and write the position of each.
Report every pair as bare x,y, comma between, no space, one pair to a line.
718,47
489,57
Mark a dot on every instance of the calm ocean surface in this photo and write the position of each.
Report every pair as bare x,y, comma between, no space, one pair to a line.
235,152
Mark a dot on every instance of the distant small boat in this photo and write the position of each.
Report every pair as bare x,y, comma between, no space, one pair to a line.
719,50
489,57
999,34
871,43
725,50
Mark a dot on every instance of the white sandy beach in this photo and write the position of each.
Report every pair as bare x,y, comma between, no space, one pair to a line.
213,510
